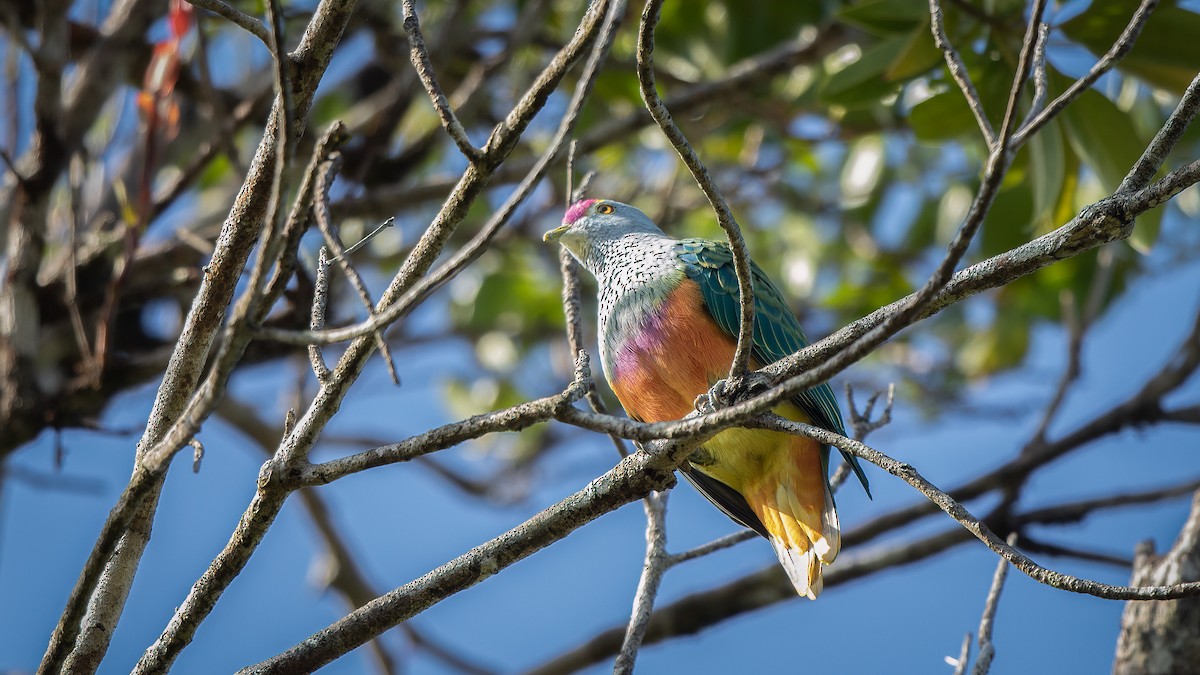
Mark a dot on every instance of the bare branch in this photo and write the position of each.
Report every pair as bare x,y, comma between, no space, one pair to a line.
958,71
987,650
1114,54
964,656
237,17
635,476
515,418
976,527
862,426
569,269
391,311
656,564
317,316
203,322
341,256
713,546
914,307
1039,74
1161,637
420,60
693,613
737,244
742,76
861,422
370,235
1164,141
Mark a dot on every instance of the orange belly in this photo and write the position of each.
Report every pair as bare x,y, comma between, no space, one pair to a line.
660,381
781,477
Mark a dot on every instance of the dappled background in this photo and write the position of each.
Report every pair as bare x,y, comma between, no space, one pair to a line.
849,158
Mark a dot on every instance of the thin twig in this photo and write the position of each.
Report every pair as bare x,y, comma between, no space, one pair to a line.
656,563
1062,551
237,17
975,526
365,240
713,546
317,316
862,425
737,244
341,256
741,76
12,167
513,418
1114,54
694,613
420,60
343,574
168,428
964,656
1077,322
958,71
914,306
263,509
1164,141
569,269
71,286
1040,87
987,650
395,308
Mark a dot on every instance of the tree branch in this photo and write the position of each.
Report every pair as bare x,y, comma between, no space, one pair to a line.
975,526
958,72
237,17
737,244
420,60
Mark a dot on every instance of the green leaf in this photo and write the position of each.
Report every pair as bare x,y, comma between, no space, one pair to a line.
1146,230
1102,136
217,171
1166,53
1008,224
942,117
756,26
919,56
1047,171
863,82
885,17
1106,140
1001,346
949,116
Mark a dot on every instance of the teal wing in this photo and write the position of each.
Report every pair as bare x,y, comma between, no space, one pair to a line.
777,333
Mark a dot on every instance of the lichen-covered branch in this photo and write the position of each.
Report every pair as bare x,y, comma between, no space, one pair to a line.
733,232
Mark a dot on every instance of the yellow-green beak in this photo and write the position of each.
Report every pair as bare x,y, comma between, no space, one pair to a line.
554,234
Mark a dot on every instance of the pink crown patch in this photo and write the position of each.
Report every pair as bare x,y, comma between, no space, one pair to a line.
577,210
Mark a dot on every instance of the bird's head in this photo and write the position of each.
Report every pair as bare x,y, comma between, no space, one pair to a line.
591,223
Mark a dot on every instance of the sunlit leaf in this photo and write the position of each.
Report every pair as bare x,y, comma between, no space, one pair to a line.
863,81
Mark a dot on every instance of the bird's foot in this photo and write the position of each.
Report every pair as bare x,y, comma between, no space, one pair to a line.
726,392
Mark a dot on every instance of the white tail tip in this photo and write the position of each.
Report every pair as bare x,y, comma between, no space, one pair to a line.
803,568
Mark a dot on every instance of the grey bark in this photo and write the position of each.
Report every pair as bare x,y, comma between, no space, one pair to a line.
1163,636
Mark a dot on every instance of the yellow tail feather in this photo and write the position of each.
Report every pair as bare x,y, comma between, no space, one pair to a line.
797,511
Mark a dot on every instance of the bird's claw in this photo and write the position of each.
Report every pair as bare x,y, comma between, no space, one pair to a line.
725,392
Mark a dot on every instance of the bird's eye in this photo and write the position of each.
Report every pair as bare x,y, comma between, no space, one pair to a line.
605,209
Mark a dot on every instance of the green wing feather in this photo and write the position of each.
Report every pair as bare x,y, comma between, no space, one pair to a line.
777,333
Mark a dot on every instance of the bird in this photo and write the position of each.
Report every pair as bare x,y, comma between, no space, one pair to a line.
667,332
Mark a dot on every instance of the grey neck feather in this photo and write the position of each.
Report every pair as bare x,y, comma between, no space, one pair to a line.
635,272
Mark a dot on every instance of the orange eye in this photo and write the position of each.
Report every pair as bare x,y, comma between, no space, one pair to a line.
605,209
